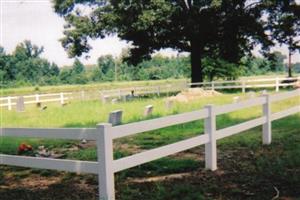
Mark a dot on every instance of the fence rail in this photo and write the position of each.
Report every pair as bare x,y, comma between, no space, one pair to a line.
62,97
104,135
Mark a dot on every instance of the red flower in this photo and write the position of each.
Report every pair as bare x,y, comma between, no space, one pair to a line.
24,148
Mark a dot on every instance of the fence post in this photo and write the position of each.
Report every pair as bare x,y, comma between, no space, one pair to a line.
267,127
120,94
37,98
277,84
211,146
9,103
212,85
158,90
105,162
82,95
243,86
62,98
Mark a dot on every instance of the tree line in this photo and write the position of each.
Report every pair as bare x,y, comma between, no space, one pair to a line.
25,67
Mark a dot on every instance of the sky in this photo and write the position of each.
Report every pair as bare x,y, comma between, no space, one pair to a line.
35,20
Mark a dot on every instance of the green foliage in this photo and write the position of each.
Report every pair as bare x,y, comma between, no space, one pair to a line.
228,30
258,66
24,67
78,67
220,69
296,67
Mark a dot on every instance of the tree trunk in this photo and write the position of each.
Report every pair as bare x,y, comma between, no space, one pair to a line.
197,71
290,64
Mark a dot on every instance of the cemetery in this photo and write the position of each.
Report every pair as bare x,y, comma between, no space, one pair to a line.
149,100
117,112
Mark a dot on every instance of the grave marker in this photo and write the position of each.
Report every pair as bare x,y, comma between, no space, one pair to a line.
115,117
105,98
148,110
169,104
263,92
114,101
236,99
20,106
251,94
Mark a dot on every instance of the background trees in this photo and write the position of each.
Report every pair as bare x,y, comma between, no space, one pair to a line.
26,67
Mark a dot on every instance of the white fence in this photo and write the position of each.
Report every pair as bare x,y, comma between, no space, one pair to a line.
104,134
276,83
9,102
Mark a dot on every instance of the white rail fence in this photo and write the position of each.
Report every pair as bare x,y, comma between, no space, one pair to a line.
9,102
104,134
62,97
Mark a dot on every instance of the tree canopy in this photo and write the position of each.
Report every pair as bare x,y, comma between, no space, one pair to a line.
221,29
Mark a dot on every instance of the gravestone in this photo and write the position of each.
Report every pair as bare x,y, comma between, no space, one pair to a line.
169,104
115,117
128,97
148,110
236,99
114,101
105,98
64,104
251,95
264,92
20,106
38,104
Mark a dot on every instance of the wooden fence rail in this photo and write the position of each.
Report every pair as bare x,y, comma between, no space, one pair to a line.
104,135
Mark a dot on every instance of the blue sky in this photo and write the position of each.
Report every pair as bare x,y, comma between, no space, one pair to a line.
36,21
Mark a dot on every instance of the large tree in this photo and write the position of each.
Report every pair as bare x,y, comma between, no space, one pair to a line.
285,25
225,29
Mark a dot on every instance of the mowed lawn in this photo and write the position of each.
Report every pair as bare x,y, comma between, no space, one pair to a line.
247,169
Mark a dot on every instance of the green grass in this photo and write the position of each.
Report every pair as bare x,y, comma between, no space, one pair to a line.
90,113
254,165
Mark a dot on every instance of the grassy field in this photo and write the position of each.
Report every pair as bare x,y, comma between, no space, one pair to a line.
247,170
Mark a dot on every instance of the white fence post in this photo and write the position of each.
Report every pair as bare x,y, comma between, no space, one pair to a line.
62,98
105,162
82,95
212,86
243,86
267,131
158,90
120,94
277,84
9,103
37,98
211,146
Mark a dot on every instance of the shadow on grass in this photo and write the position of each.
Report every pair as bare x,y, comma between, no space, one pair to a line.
247,169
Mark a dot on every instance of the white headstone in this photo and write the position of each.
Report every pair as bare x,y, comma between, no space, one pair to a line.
236,99
20,106
251,95
148,110
264,92
127,97
115,117
114,101
169,104
105,98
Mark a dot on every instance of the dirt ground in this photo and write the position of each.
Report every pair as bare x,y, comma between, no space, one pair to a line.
192,94
237,177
